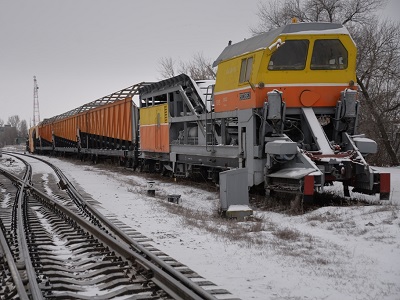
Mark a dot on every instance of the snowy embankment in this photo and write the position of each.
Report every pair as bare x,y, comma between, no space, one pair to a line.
330,253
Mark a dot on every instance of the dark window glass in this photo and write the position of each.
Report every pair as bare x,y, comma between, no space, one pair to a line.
328,55
291,55
245,69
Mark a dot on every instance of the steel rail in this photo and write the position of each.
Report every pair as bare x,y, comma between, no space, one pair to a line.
166,277
174,287
128,240
34,289
13,268
131,243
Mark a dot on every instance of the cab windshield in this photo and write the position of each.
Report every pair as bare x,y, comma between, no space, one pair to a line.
329,55
291,55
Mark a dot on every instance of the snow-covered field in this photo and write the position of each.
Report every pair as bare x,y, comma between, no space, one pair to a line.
330,253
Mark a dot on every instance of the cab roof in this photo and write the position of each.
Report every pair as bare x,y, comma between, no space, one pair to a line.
264,40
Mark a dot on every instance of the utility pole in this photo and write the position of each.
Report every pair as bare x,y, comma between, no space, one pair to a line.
36,114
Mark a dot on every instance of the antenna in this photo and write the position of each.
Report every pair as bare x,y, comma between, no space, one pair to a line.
36,114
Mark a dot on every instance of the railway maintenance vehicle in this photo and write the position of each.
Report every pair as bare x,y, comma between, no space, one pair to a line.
284,107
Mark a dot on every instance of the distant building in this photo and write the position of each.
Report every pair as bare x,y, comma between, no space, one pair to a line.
8,135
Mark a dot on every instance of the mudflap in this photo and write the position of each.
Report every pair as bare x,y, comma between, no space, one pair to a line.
384,186
308,189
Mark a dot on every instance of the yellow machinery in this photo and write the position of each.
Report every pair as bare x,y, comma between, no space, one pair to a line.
298,80
284,108
309,63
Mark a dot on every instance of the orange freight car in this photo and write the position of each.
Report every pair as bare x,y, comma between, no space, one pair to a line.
33,131
45,133
65,129
102,127
108,123
112,120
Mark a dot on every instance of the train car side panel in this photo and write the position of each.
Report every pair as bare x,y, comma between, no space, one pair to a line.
154,129
111,120
157,138
45,132
81,122
65,129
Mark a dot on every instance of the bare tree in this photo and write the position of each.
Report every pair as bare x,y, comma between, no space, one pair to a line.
167,67
378,63
378,73
13,121
279,13
22,129
198,67
1,123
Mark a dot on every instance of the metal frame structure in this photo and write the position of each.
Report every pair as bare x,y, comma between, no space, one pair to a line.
130,91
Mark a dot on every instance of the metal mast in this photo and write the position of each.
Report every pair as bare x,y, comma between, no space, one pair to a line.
36,114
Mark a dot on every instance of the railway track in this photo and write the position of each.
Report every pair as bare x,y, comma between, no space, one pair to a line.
60,247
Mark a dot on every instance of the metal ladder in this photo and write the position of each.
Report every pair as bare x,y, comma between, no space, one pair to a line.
210,120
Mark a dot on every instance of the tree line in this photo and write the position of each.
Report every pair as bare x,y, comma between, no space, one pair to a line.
13,132
378,61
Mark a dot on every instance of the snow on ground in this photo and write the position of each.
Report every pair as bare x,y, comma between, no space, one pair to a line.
330,253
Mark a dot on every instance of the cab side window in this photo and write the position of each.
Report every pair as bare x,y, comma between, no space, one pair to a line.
291,55
329,55
245,69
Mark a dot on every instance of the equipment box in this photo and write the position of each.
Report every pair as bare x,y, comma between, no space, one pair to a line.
233,188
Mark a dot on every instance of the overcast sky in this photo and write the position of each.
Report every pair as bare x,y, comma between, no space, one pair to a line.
81,50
